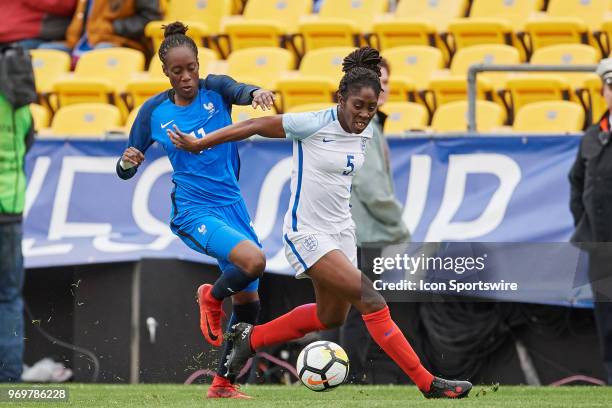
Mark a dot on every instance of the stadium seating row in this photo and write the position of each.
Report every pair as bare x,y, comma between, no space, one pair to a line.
96,119
447,24
116,76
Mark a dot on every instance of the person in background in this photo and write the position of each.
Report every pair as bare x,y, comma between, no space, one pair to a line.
591,188
108,23
378,219
16,136
30,23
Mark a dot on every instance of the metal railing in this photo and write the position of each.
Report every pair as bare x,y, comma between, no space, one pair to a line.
477,68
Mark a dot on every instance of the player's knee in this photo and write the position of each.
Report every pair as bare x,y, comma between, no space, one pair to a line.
255,265
331,321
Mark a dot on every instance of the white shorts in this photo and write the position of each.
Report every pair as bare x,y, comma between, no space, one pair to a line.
303,249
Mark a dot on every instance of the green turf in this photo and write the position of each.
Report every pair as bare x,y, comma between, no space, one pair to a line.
182,396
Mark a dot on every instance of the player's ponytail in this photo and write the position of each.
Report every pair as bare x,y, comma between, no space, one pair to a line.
175,36
361,68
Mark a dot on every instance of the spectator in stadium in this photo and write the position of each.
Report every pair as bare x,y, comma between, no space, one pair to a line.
591,191
16,136
208,212
378,219
108,23
328,148
30,23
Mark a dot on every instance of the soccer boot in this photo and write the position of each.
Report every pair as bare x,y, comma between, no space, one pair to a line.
441,388
228,391
210,317
240,336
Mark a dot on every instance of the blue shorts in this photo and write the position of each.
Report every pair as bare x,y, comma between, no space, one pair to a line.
216,231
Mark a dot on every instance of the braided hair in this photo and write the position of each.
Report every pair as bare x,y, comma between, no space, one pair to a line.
174,36
361,69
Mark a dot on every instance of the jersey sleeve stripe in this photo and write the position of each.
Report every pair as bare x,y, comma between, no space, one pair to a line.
333,112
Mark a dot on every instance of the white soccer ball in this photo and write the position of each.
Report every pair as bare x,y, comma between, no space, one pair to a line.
322,365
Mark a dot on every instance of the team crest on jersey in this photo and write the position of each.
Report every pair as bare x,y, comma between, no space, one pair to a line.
210,108
363,144
310,243
202,229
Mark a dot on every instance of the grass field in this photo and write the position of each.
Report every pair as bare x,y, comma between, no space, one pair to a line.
182,396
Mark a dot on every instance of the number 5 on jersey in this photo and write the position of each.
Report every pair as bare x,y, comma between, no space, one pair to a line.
349,164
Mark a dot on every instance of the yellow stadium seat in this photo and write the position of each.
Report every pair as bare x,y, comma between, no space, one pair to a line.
590,97
85,119
339,23
452,117
48,66
603,37
416,22
592,12
325,62
567,21
401,89
496,54
396,32
262,66
240,113
264,23
238,6
138,90
492,22
99,76
305,90
311,107
524,89
548,117
41,116
206,57
514,12
454,87
130,119
317,80
203,17
567,54
208,12
411,67
404,116
416,62
113,64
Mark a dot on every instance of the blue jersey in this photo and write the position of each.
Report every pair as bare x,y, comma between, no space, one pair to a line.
208,179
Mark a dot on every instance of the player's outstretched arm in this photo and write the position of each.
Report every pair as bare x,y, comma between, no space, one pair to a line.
269,126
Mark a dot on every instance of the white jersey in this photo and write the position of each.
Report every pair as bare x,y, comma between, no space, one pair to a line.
325,159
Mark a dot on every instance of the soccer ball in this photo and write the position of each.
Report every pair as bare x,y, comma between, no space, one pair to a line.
322,365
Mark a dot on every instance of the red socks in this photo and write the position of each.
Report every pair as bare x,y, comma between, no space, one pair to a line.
389,337
290,326
303,319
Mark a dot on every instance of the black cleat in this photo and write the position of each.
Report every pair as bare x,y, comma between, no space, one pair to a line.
441,388
240,335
